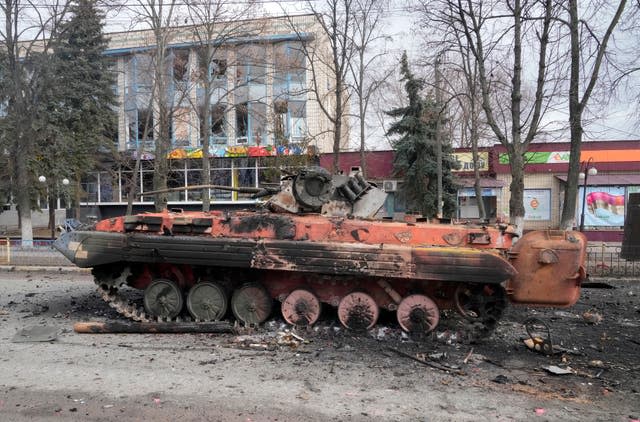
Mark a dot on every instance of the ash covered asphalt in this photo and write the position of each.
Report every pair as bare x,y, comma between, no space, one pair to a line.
323,373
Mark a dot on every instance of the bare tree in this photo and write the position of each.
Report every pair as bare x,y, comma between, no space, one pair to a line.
578,104
159,16
485,29
335,18
26,42
215,23
368,77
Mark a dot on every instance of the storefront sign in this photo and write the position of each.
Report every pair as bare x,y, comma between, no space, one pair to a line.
604,206
553,157
465,161
562,157
537,204
466,192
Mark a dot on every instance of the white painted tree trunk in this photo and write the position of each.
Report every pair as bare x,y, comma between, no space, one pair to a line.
27,229
518,223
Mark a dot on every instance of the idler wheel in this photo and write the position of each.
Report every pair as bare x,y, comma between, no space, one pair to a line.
163,298
358,311
251,304
418,314
207,301
301,308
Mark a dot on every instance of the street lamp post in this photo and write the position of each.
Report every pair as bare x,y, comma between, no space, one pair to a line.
587,169
52,203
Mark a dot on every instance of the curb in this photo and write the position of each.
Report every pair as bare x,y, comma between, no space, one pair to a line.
44,268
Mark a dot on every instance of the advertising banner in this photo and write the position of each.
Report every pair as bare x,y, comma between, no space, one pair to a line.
552,157
465,161
537,204
604,206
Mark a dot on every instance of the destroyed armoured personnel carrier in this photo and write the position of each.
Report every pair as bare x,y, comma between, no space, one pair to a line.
315,243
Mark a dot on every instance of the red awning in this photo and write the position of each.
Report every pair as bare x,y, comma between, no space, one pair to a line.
608,179
485,182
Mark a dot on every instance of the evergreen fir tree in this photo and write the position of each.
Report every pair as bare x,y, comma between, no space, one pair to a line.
84,110
415,150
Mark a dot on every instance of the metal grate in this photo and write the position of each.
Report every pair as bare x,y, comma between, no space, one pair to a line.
605,261
5,251
40,252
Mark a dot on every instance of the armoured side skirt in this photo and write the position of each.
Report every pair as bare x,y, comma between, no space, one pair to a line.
89,249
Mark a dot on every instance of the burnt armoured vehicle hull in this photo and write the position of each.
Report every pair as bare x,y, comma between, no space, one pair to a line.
313,245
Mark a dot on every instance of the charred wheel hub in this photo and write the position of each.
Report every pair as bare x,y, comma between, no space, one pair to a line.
301,307
418,314
358,311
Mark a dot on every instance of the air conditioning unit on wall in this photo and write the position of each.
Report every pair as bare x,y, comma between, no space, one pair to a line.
243,140
390,185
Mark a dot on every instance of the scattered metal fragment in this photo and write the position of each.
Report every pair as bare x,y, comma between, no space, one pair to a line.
556,370
592,317
597,285
539,336
455,371
466,359
500,379
36,334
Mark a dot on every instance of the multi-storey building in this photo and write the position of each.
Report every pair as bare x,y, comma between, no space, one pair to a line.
269,80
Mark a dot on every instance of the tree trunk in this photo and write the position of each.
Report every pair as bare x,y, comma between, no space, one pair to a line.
439,109
206,129
52,212
363,158
516,202
77,197
482,212
577,105
337,129
363,154
23,200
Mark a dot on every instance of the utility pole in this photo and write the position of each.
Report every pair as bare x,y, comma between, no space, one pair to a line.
439,132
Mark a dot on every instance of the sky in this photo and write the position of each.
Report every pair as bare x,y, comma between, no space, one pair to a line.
617,120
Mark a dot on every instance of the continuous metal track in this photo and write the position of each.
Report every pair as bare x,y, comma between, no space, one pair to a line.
476,329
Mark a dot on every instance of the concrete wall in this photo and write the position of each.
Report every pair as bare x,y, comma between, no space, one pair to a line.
39,219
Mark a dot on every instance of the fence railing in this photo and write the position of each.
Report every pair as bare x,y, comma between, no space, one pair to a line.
5,251
606,261
37,252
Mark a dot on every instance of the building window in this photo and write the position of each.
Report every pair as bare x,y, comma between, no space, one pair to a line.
218,69
218,122
290,121
290,72
251,65
140,125
251,123
242,123
180,65
137,100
